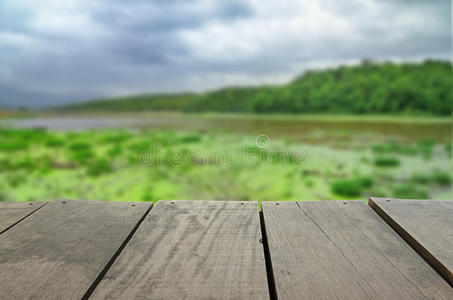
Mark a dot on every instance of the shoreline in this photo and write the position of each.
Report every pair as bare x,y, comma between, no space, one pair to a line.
343,118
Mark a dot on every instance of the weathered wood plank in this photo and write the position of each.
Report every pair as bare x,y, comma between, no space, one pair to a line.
427,225
59,251
12,213
191,250
343,250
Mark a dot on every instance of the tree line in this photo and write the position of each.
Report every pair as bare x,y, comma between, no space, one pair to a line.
367,88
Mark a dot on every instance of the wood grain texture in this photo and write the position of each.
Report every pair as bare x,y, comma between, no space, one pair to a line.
58,252
12,213
343,250
427,225
191,250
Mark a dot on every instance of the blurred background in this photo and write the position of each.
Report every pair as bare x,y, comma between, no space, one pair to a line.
229,100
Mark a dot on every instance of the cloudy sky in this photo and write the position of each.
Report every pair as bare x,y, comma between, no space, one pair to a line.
58,51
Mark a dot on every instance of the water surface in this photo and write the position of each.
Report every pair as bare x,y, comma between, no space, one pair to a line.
312,130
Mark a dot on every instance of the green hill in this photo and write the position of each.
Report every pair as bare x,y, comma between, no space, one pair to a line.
157,102
368,88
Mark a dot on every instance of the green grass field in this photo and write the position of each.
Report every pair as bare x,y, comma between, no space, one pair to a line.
149,165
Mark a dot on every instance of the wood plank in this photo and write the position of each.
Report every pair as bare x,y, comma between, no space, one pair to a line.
427,225
191,250
343,250
12,213
59,251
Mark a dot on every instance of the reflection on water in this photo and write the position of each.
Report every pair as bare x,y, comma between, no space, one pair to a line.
309,130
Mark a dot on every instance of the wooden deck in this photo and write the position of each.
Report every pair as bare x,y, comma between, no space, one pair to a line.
72,249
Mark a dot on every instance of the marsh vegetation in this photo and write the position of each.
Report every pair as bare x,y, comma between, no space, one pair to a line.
310,161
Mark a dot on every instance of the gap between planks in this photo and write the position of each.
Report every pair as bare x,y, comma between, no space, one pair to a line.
42,204
267,259
115,256
429,257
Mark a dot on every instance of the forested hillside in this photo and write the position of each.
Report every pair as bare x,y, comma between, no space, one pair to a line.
176,102
368,88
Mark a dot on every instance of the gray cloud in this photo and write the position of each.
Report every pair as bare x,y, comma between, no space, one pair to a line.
52,52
